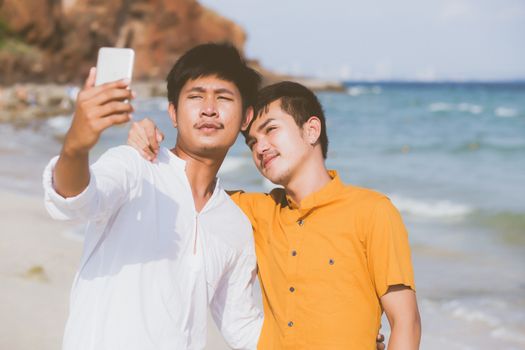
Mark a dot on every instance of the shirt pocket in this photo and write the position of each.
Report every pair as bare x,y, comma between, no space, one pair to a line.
331,279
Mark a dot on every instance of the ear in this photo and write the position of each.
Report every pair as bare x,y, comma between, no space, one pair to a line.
312,130
173,114
248,116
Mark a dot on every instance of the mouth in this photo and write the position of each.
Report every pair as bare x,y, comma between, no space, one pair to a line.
208,127
267,160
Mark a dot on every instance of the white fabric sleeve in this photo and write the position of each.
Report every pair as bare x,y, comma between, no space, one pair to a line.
111,180
233,308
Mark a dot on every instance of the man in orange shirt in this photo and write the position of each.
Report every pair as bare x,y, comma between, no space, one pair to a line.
331,256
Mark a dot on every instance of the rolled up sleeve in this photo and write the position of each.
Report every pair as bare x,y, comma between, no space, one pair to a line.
111,179
61,208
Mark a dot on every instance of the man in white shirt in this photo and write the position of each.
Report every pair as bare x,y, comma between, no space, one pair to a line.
163,241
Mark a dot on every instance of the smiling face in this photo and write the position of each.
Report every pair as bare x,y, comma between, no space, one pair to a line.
279,146
208,116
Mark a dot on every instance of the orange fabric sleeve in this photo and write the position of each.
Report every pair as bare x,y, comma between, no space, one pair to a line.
246,202
388,249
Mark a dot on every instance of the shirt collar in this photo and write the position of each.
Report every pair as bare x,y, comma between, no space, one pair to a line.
180,164
326,194
173,159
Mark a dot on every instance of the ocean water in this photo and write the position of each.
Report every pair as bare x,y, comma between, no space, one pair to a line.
450,156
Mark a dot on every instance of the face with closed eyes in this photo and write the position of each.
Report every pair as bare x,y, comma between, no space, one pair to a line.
279,146
208,116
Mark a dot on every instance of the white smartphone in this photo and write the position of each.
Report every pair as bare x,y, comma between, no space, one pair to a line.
114,64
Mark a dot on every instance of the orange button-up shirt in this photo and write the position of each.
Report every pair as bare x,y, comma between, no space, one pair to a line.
324,264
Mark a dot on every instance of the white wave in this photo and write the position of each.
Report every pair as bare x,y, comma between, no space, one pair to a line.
355,91
362,90
505,112
461,107
268,185
430,209
376,90
60,123
470,314
507,334
440,107
470,108
232,163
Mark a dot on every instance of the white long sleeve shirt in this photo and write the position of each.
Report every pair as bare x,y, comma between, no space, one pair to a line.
151,264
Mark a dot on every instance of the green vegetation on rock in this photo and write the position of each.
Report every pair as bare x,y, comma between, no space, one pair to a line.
11,43
16,46
4,30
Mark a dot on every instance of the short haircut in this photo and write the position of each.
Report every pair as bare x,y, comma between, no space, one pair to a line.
222,60
297,101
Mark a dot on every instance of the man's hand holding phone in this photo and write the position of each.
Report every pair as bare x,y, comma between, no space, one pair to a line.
97,108
103,102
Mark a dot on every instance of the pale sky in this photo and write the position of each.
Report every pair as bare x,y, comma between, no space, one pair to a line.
384,39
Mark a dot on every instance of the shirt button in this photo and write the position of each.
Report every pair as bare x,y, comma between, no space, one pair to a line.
300,222
294,253
292,289
331,261
290,324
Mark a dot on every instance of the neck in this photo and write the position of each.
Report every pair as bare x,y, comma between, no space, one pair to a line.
312,176
201,173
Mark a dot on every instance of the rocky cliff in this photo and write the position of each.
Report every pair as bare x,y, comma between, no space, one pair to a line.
57,40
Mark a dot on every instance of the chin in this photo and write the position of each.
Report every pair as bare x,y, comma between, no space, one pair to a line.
209,150
216,143
277,176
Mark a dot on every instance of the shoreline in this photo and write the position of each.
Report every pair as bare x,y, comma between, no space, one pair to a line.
22,103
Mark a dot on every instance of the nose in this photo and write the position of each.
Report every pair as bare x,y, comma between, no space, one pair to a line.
261,147
209,108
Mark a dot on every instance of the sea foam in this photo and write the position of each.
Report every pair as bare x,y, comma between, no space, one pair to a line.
233,163
505,112
465,107
362,90
60,124
440,107
471,314
430,209
505,333
268,185
469,107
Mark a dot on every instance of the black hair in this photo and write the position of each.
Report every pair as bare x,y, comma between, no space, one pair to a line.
220,59
296,100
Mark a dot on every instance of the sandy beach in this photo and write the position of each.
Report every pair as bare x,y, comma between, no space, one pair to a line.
38,260
37,267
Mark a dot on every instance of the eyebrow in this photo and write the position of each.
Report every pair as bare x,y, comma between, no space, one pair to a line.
249,138
217,91
224,91
263,125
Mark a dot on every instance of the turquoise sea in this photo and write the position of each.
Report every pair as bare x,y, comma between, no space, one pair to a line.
451,156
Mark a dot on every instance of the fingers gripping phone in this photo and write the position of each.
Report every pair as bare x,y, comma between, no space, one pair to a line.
114,64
